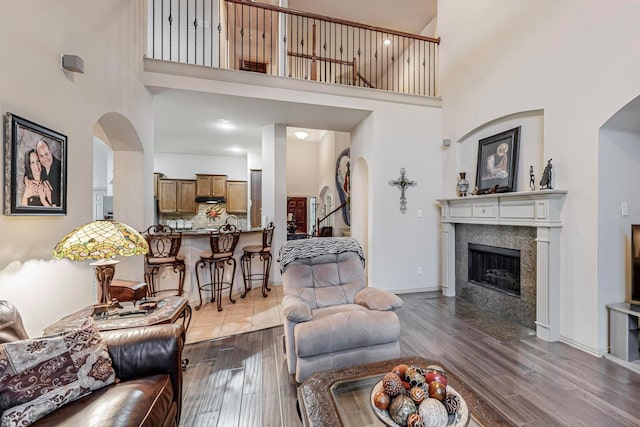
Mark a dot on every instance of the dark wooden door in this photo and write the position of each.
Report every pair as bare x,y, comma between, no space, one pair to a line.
298,207
256,198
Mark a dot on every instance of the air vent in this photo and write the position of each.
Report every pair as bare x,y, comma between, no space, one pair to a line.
255,66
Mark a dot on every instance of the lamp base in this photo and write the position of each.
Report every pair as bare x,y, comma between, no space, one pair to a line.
105,270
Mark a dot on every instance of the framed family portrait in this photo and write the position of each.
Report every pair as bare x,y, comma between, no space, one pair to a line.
498,162
35,169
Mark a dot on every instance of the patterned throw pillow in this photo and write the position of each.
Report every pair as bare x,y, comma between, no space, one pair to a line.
39,375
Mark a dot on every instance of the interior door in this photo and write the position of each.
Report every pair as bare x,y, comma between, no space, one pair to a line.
256,198
298,207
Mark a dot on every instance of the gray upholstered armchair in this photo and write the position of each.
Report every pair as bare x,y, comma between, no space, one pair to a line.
332,319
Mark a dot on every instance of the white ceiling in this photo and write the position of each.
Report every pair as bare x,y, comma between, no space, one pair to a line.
185,121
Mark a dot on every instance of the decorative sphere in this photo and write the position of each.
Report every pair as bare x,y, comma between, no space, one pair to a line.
451,402
381,400
400,370
401,407
433,413
417,394
392,384
435,376
437,390
415,420
435,368
414,377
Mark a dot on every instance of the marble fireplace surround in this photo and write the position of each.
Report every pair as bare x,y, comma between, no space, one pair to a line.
538,209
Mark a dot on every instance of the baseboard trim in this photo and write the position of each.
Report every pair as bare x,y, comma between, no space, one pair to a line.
582,347
412,290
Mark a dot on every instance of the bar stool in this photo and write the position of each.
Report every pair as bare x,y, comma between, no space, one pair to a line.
223,242
264,253
164,247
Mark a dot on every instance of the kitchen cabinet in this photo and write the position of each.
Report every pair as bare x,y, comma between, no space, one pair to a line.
211,185
156,180
177,196
237,197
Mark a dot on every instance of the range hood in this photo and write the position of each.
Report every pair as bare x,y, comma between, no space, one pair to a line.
210,199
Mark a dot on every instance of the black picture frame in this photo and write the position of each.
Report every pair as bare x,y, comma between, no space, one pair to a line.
498,173
28,145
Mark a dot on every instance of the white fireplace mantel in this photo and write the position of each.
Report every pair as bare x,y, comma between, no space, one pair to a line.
540,209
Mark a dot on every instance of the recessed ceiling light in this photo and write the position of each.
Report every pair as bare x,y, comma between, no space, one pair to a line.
236,149
387,42
225,125
301,135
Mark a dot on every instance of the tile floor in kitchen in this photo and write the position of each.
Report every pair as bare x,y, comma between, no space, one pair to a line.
252,313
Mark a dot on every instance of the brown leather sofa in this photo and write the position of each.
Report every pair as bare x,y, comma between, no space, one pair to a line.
148,366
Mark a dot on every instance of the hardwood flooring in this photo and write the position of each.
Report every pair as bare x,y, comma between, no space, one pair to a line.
243,380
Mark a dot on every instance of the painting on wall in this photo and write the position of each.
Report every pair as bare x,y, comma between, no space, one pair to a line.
498,162
343,184
35,169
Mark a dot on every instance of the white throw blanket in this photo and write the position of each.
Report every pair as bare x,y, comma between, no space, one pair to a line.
309,248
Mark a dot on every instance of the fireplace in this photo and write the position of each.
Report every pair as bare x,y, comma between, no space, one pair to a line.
496,270
528,221
494,267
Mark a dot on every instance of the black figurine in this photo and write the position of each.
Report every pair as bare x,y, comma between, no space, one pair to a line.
532,179
545,182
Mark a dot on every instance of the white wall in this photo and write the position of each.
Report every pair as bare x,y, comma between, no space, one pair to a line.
620,158
498,58
185,166
35,87
530,149
302,168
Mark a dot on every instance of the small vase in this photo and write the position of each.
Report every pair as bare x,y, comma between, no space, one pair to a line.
463,185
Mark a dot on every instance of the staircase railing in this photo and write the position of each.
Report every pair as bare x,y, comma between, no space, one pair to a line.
321,220
243,35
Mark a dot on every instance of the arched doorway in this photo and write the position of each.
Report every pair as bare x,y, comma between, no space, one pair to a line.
129,205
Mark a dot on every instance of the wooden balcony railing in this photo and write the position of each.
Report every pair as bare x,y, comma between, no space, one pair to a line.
248,36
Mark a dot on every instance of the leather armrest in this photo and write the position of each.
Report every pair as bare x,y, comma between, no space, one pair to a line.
377,299
296,310
149,350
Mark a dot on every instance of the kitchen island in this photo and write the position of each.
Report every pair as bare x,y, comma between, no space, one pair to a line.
193,243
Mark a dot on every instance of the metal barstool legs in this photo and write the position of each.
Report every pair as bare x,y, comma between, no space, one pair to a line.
216,279
150,278
248,276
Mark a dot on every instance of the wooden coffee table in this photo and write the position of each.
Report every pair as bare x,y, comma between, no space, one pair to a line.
340,397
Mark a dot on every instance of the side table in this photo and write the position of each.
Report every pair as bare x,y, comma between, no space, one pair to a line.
623,331
169,310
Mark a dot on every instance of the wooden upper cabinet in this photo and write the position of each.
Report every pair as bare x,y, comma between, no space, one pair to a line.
177,196
187,196
211,185
156,180
237,197
167,195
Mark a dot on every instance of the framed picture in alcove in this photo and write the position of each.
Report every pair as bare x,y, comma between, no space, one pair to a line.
498,162
35,165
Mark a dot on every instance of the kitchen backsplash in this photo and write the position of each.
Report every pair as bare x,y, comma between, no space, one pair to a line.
202,220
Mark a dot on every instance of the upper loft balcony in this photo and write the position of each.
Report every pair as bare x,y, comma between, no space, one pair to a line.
262,38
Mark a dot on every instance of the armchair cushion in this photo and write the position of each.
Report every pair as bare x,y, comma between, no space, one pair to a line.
377,299
39,375
344,327
295,309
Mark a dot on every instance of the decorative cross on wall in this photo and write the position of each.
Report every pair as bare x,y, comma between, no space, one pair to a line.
402,183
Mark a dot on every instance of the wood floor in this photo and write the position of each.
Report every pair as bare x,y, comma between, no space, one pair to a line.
243,381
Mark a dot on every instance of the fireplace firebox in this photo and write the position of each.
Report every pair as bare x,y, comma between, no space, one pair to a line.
495,268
